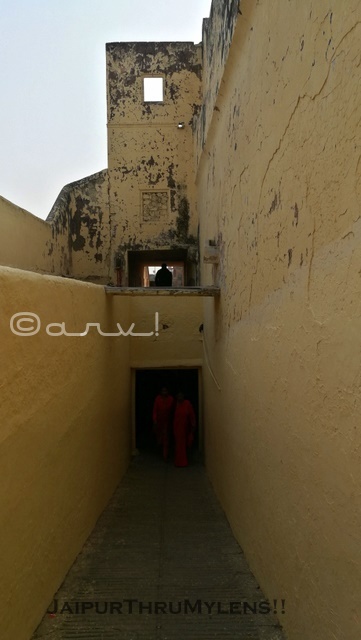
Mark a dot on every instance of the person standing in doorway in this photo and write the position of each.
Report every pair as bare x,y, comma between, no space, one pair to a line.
184,425
162,419
163,277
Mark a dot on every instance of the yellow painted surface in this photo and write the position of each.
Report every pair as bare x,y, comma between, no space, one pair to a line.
65,436
28,243
278,190
279,187
179,342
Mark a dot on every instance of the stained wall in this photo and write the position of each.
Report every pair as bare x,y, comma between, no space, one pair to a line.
146,199
279,190
151,180
81,213
217,34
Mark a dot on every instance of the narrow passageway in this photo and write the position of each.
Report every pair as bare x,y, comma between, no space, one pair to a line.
160,555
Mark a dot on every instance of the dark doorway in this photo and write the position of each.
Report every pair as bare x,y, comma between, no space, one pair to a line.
140,262
148,383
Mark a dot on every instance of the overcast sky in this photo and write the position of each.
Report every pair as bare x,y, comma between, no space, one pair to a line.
53,86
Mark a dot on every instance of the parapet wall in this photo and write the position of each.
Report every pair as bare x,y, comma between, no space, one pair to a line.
30,243
75,240
65,437
81,213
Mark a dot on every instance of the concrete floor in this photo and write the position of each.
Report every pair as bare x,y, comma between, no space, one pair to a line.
164,544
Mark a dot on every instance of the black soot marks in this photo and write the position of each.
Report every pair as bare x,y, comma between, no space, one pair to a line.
295,214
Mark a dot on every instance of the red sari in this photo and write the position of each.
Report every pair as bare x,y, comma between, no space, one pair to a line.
183,426
162,416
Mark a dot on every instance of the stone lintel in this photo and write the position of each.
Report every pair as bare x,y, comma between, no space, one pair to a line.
163,291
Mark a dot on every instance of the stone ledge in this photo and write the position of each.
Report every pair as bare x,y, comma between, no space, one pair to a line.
209,292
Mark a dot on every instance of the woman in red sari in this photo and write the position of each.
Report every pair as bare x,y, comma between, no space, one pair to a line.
184,425
162,419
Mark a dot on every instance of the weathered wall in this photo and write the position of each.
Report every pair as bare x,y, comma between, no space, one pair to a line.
81,213
30,243
279,187
217,34
73,241
64,435
151,180
146,199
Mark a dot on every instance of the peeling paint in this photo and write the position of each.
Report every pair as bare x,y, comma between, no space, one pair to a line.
147,150
81,215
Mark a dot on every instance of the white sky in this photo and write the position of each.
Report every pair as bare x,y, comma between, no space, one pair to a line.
53,86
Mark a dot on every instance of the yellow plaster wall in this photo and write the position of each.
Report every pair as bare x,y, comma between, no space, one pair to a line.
31,243
279,187
65,435
179,342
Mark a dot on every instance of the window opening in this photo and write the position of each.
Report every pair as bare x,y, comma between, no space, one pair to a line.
153,89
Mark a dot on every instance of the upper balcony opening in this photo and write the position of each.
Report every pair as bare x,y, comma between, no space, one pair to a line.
143,267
